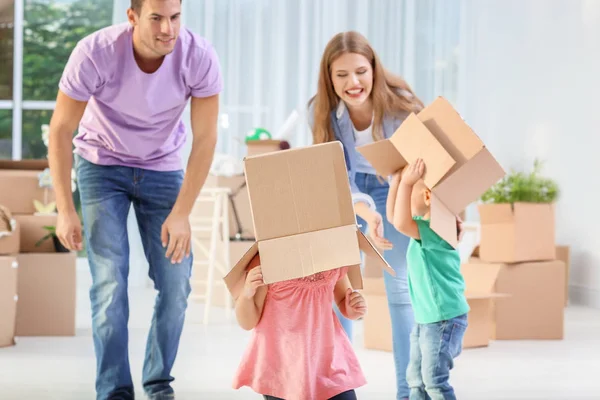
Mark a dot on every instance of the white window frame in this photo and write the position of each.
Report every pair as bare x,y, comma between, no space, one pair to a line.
18,104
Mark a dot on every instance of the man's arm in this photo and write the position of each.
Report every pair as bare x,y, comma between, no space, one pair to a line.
64,122
175,230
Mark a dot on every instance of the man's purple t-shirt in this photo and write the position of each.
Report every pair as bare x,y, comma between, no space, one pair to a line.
134,118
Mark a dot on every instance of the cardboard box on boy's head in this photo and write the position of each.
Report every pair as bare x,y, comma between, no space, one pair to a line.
458,166
303,217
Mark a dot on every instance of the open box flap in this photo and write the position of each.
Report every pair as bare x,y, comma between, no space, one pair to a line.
413,140
448,127
383,156
299,190
443,221
367,247
236,277
479,277
305,254
467,183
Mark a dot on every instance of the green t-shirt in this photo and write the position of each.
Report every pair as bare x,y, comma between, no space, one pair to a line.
435,283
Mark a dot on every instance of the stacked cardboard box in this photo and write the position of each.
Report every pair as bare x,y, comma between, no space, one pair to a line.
9,248
45,278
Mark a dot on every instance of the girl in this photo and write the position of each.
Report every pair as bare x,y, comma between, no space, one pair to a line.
298,349
358,102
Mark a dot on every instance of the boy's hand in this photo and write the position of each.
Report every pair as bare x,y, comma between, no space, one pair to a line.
397,177
254,280
414,172
356,306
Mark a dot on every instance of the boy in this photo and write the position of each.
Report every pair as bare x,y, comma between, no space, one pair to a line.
436,288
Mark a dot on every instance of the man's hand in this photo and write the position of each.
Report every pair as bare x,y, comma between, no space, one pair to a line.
176,234
356,306
68,230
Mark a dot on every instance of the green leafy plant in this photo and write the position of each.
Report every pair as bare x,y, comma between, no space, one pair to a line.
52,235
523,187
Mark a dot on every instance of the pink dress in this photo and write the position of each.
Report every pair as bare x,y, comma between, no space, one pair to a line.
299,350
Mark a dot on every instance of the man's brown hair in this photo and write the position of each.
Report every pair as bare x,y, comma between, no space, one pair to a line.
136,5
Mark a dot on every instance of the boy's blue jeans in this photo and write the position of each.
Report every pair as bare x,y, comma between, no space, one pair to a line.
433,350
396,287
107,193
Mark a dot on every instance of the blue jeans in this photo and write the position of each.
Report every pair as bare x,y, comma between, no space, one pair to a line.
107,193
396,288
433,350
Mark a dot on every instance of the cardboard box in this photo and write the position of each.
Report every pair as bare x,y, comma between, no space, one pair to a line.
535,306
10,242
47,294
32,230
200,271
458,166
563,253
377,334
303,216
19,185
240,216
258,147
8,300
517,232
480,294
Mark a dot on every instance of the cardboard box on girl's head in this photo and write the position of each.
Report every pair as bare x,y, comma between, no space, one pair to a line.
458,166
303,217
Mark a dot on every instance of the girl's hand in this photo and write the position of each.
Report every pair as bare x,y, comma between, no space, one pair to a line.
414,172
356,306
254,280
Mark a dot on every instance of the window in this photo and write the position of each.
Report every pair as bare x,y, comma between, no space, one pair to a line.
5,134
7,12
44,32
51,31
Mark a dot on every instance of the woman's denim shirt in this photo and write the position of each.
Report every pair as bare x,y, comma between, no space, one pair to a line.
344,132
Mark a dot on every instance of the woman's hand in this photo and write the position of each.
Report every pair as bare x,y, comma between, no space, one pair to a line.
375,231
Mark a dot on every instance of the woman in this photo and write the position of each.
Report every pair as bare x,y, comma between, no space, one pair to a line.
358,102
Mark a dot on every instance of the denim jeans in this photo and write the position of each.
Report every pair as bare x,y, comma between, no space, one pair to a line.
396,288
433,350
107,193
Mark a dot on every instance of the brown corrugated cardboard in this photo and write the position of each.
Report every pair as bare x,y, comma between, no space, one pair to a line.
8,300
517,232
32,230
10,242
377,324
303,216
47,294
480,294
535,306
19,185
257,147
240,217
563,253
458,166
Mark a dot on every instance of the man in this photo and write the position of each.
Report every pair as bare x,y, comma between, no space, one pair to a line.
125,88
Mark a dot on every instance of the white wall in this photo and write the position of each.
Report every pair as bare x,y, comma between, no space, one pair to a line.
530,88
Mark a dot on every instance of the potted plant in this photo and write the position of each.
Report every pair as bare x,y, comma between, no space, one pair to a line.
52,234
517,218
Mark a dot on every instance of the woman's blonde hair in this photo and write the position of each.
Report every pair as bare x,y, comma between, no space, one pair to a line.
391,95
